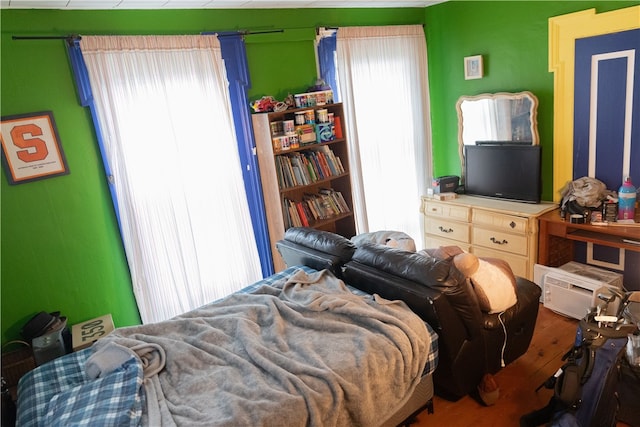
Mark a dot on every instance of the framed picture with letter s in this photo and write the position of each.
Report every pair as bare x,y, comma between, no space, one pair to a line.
31,147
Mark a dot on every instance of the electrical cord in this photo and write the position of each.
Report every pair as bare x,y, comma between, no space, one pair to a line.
504,344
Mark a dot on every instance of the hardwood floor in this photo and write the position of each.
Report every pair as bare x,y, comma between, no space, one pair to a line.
553,336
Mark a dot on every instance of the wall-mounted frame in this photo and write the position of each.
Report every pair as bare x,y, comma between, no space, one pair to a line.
31,147
473,67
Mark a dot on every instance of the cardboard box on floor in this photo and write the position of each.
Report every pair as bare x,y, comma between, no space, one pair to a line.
86,333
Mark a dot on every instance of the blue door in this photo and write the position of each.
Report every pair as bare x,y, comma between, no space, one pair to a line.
607,128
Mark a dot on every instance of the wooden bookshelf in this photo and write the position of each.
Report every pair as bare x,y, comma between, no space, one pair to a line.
322,167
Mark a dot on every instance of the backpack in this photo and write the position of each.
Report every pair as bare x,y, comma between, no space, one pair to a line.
585,388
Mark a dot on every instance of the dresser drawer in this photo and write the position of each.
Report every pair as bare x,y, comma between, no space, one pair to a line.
443,210
447,229
510,223
500,241
519,264
433,242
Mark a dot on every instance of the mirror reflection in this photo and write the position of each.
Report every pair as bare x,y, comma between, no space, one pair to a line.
499,117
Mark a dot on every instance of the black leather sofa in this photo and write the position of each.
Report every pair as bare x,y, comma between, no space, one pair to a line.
471,342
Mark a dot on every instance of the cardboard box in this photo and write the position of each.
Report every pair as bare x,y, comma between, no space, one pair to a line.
445,196
306,134
86,333
324,132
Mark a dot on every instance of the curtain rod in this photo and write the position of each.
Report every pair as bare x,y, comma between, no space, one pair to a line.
77,37
70,37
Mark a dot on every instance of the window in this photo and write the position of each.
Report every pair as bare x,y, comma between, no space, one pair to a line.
161,105
381,75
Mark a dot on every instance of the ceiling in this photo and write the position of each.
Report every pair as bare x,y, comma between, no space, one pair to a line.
208,4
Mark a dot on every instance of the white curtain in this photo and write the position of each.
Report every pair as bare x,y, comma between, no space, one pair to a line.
382,74
163,108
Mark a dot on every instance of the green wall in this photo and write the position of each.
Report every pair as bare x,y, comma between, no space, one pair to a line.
60,244
512,37
61,248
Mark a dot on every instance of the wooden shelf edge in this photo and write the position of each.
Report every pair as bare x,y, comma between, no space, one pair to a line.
313,184
601,239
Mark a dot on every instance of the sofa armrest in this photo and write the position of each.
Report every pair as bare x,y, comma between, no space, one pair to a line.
527,293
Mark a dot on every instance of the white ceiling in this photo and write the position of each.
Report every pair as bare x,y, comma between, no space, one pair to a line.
209,4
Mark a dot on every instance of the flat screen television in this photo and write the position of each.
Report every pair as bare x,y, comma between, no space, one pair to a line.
503,171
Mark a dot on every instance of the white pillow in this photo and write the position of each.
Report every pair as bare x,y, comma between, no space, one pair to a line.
495,285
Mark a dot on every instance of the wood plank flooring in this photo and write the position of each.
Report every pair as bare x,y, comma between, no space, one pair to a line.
552,338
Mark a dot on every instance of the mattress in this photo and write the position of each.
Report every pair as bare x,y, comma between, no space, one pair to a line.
54,379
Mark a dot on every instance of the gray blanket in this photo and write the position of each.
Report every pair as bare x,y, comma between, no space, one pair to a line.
307,352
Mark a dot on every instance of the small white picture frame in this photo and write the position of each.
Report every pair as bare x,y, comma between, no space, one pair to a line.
473,67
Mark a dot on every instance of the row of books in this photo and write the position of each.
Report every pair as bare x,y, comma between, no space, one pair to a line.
325,204
307,167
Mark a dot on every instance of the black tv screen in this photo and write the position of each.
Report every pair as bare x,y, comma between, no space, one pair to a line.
504,171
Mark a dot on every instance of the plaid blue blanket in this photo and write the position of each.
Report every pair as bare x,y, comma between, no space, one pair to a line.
59,393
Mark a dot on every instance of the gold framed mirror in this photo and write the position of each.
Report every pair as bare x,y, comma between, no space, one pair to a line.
501,117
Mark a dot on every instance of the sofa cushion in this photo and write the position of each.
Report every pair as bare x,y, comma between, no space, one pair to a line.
323,241
413,266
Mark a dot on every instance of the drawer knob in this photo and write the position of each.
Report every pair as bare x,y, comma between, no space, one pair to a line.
498,242
445,230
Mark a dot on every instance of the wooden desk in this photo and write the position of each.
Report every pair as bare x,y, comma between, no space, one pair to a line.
556,237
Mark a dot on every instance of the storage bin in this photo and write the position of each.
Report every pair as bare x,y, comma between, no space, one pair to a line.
17,360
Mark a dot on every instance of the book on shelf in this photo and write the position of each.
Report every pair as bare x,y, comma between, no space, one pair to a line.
284,166
323,162
334,160
288,223
279,174
303,217
326,158
336,199
340,164
297,175
312,208
293,213
316,207
312,173
305,168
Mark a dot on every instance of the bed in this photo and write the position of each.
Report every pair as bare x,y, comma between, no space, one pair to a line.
299,348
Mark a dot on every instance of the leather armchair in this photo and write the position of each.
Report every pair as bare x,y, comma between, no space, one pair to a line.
470,342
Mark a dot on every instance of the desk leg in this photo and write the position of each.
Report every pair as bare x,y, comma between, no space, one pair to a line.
543,243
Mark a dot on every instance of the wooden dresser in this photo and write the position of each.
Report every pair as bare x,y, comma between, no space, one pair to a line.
487,228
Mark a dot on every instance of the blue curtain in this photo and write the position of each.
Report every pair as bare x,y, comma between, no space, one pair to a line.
326,59
234,55
85,97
